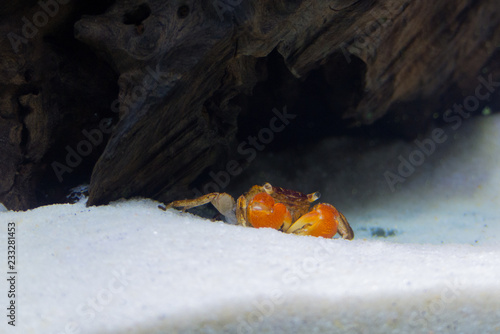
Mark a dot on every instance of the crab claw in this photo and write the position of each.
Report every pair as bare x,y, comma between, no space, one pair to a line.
321,221
264,212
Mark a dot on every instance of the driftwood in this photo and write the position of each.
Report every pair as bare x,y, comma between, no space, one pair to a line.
168,81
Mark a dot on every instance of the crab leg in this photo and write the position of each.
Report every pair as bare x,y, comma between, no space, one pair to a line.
241,211
344,228
224,203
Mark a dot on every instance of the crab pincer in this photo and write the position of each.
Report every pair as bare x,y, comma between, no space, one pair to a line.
263,211
321,221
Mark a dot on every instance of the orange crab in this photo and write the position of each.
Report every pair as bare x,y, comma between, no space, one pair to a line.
275,207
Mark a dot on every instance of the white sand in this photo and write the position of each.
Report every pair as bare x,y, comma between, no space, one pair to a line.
132,268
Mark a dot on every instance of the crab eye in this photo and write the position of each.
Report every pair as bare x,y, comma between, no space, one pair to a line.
314,196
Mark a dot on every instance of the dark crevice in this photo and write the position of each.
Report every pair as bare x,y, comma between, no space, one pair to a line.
25,134
28,89
319,101
183,11
25,138
137,15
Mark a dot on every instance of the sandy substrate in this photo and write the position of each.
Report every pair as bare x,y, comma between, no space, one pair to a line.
426,257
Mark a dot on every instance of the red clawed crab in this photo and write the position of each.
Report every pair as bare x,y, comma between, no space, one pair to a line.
282,209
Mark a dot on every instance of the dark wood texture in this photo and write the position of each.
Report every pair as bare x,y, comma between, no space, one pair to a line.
186,70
